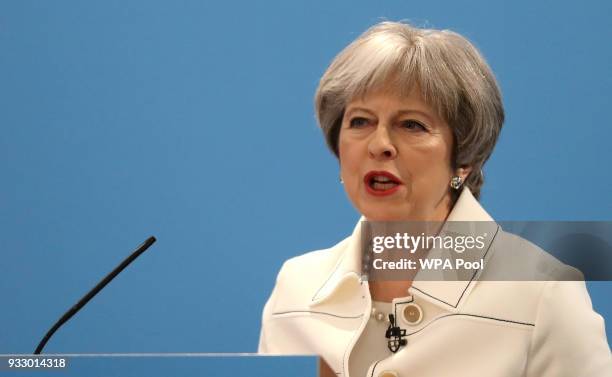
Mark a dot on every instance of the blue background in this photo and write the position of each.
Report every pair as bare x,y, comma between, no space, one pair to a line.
193,121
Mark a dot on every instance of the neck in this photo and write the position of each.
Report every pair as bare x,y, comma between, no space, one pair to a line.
386,291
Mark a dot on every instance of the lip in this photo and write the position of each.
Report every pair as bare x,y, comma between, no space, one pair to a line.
368,177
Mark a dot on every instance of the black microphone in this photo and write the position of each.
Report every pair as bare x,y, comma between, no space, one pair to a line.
395,334
93,292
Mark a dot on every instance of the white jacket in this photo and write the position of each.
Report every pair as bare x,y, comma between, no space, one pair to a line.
544,328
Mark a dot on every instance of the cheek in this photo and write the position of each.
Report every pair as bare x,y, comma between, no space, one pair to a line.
348,170
351,160
429,163
441,171
348,155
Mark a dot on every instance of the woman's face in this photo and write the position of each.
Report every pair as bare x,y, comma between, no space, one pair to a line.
395,155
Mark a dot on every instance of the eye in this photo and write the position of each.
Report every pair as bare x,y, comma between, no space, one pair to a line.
413,125
358,122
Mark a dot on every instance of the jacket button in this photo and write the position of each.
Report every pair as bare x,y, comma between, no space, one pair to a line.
412,313
388,373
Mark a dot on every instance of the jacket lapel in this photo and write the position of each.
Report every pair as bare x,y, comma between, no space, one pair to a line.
447,288
344,288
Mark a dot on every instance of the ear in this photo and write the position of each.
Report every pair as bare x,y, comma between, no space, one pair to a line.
463,172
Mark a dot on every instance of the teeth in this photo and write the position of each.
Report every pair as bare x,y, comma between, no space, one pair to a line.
383,186
382,183
381,178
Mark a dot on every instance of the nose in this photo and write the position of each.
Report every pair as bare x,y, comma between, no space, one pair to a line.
381,145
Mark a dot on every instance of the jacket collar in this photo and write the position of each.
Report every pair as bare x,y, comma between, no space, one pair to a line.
434,286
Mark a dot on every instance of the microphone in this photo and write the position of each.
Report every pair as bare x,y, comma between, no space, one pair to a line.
141,249
396,333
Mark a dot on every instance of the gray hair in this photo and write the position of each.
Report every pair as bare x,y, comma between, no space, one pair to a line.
452,76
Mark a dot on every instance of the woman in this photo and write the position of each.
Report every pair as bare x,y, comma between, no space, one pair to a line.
413,115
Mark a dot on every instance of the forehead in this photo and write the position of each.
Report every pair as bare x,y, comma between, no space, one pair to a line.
391,99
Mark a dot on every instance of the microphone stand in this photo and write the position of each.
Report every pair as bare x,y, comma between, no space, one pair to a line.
141,249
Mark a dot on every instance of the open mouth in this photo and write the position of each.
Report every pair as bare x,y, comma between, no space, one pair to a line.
381,183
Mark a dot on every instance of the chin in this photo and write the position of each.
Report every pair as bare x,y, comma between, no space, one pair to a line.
384,214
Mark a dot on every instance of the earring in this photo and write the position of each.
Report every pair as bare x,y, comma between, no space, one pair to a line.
456,182
341,181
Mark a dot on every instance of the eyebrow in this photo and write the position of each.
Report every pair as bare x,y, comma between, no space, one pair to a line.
396,114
